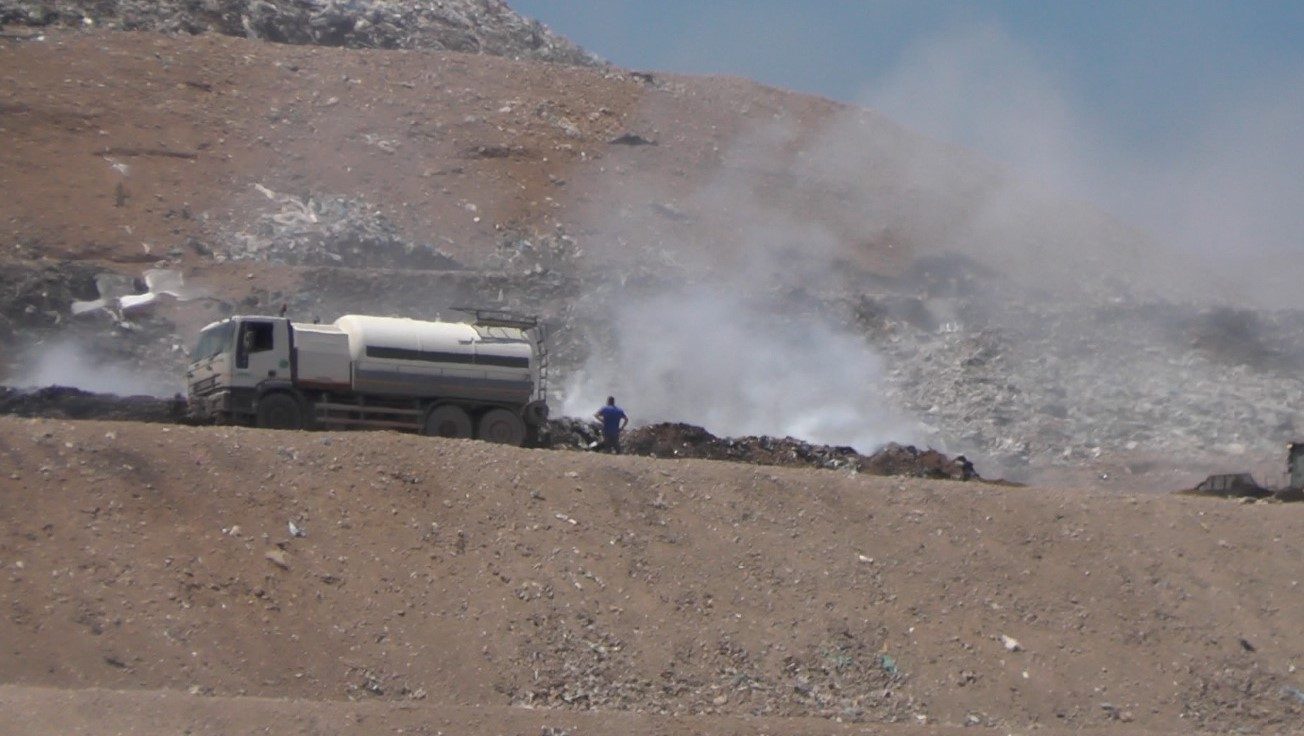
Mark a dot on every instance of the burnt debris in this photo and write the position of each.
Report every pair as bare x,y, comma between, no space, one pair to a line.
678,440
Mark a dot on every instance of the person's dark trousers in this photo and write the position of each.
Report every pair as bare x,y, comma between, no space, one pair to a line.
611,442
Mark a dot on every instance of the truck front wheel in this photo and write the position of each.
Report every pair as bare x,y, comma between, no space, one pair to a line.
448,421
502,426
279,411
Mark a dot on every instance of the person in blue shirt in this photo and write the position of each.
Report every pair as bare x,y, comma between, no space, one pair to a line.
613,421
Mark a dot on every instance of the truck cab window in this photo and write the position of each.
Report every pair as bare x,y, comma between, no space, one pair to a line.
258,336
255,337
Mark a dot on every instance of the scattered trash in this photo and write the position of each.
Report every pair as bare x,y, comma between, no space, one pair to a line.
1011,644
330,231
295,530
118,293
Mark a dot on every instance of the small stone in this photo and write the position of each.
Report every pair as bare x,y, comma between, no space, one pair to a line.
1011,644
277,557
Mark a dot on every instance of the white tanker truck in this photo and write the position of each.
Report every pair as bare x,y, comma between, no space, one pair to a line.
486,379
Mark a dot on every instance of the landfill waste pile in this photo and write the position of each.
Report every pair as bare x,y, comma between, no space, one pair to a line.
678,440
1025,380
61,402
328,231
473,26
536,255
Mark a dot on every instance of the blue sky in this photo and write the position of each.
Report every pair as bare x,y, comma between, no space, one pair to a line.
1155,110
1145,66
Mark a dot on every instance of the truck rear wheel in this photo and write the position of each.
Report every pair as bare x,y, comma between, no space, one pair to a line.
502,426
448,421
279,411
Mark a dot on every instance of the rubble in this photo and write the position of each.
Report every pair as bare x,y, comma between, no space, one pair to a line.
472,26
329,231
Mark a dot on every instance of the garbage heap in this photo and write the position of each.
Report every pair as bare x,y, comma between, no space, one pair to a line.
328,231
472,26
679,440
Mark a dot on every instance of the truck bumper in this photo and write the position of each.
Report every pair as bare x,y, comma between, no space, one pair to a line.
209,407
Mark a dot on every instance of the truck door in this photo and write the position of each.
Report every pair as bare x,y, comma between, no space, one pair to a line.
262,351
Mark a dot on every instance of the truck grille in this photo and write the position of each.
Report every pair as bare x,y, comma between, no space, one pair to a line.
204,387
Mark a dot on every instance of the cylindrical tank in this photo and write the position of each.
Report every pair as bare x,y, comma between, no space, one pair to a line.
400,333
408,357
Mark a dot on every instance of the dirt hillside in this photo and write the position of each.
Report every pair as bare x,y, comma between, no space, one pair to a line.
405,182
138,557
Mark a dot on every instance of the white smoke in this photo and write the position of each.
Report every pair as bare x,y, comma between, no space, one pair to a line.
710,356
70,364
739,343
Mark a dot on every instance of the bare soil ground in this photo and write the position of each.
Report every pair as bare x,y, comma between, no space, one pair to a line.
198,121
150,579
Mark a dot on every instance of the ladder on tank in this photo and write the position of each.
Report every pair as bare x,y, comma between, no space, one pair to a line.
525,323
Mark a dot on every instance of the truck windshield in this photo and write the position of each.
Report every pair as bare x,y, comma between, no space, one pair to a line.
213,341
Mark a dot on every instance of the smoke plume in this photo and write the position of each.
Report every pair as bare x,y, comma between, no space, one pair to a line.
738,340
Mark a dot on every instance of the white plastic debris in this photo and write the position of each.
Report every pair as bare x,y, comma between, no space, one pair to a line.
117,292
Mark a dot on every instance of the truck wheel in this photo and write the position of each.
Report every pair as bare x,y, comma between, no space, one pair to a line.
536,413
279,411
448,421
502,426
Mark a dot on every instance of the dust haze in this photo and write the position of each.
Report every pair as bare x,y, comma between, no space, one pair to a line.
1215,202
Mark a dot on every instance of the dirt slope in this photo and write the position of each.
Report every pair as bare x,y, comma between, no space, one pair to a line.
200,120
448,573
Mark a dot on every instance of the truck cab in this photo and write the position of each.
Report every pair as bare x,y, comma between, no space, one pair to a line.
234,361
